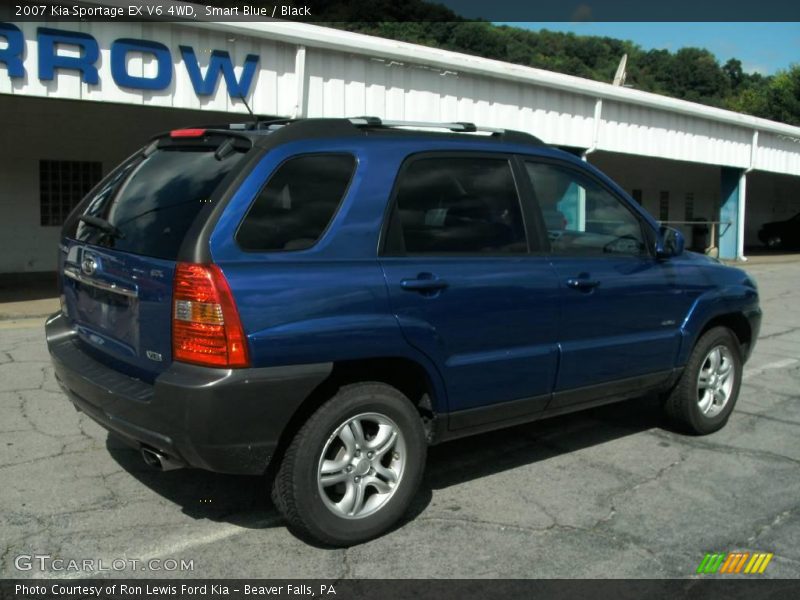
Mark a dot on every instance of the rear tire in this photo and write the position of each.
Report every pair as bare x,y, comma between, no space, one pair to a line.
706,393
353,468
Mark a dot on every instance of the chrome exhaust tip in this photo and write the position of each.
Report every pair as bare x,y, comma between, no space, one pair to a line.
161,462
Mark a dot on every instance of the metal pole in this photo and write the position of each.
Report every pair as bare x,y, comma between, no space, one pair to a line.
300,77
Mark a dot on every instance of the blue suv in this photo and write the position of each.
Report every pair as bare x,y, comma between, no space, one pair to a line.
319,300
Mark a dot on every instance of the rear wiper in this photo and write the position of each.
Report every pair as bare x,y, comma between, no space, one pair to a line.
103,225
226,149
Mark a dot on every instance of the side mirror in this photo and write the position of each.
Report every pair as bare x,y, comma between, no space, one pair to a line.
670,242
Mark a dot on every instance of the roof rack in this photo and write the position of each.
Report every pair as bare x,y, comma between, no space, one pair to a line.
456,126
339,126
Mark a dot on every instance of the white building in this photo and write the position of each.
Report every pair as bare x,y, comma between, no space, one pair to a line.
76,98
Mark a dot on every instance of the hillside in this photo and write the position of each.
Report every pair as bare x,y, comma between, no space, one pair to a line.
692,74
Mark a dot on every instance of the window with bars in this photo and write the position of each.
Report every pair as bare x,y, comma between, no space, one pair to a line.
62,184
663,206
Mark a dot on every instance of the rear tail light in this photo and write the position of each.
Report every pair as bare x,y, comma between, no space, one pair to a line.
206,329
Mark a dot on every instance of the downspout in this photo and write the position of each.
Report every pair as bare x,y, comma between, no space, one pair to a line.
300,76
598,111
743,197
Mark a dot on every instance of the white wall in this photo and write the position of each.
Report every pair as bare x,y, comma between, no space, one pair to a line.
272,92
770,196
654,175
672,135
33,129
346,85
348,74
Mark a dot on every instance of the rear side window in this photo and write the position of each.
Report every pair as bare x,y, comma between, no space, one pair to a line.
466,205
153,201
297,204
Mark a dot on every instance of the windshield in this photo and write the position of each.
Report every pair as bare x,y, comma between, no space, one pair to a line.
150,203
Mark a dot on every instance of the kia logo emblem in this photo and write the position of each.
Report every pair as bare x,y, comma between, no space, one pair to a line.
88,266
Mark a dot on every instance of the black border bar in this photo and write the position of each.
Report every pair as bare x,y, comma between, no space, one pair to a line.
703,588
343,11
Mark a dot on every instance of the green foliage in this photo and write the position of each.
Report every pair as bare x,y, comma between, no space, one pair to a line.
690,73
776,97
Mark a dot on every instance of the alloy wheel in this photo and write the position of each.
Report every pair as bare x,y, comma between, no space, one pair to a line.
715,381
361,465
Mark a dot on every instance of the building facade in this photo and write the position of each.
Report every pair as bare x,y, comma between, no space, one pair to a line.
77,98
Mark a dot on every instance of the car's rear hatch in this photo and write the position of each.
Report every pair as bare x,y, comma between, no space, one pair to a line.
120,247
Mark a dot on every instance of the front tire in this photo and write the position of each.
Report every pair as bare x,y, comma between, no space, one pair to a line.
706,393
354,467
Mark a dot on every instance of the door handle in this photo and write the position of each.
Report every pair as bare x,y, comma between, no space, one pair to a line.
583,285
423,284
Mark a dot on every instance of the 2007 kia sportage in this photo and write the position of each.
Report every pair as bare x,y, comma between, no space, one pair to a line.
330,296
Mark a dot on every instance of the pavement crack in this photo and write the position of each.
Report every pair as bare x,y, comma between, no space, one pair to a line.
347,567
4,556
777,334
767,417
776,520
615,537
739,451
32,461
499,524
636,485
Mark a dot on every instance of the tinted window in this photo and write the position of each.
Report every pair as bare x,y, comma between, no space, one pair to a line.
582,217
153,201
298,202
461,205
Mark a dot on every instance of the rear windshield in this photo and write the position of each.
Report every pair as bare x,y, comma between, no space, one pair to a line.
151,202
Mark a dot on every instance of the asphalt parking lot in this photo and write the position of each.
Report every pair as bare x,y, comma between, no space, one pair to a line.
607,493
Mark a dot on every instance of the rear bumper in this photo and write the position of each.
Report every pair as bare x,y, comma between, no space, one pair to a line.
223,420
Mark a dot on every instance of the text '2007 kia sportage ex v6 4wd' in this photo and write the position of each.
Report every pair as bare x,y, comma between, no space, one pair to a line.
321,299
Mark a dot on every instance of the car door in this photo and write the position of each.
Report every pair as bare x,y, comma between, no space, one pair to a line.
620,308
468,288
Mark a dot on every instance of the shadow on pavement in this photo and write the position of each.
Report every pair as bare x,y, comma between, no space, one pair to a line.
490,453
244,500
22,287
238,499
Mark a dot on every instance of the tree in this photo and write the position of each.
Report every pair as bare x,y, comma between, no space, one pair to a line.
733,70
